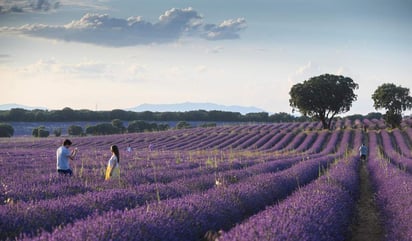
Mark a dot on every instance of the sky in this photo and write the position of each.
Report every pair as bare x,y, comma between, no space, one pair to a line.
107,54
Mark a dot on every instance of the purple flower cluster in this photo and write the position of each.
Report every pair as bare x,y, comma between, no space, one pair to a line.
190,217
47,214
393,194
322,210
190,182
394,156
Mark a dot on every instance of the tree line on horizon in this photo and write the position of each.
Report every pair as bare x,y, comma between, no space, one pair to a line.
320,98
67,114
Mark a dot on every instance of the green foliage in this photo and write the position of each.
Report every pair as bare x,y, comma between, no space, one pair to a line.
40,132
393,119
394,99
74,130
373,115
6,130
263,116
68,114
284,117
91,130
137,126
118,124
103,129
141,126
57,132
43,133
322,97
210,124
182,125
163,127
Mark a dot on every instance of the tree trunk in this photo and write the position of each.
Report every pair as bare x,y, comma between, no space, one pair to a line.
324,123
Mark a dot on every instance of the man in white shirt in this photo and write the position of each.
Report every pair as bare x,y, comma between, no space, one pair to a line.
63,155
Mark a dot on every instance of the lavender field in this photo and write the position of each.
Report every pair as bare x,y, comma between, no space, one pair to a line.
287,181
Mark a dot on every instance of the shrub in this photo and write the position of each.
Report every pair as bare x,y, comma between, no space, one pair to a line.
74,130
57,132
40,132
138,126
211,124
6,130
90,130
182,125
119,125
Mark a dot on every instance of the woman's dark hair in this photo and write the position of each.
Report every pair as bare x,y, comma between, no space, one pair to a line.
116,152
67,142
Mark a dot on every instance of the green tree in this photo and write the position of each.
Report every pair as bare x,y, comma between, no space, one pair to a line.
182,125
281,117
91,130
394,99
136,126
74,130
40,132
141,126
57,132
323,97
207,125
6,130
106,129
119,125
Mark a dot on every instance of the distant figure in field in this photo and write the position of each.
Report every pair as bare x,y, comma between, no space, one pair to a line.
63,155
150,147
129,148
363,152
113,169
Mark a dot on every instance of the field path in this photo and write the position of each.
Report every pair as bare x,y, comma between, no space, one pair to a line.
367,225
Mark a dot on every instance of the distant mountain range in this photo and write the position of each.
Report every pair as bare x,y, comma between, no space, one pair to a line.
189,106
179,107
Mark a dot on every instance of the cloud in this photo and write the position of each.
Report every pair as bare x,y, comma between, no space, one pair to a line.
20,6
228,29
303,73
215,50
100,29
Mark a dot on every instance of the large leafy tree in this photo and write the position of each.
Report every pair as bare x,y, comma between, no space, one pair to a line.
394,99
323,97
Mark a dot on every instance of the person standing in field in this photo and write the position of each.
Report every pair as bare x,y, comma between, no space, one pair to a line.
113,169
363,152
63,154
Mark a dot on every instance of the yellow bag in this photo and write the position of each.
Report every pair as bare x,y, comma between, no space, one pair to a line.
115,173
108,170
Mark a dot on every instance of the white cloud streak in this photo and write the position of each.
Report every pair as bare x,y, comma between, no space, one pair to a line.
101,29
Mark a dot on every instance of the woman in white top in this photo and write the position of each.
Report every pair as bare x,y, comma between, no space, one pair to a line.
113,169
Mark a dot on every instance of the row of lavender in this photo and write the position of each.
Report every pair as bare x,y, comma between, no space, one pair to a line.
26,215
391,175
191,172
331,200
38,164
252,137
53,212
191,216
49,213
